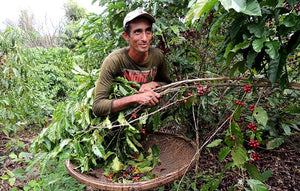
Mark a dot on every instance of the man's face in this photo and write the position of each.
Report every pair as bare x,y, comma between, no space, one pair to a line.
140,35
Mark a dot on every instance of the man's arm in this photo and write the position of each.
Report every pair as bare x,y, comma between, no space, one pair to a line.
148,98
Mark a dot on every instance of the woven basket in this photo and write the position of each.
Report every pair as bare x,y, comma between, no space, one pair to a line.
176,155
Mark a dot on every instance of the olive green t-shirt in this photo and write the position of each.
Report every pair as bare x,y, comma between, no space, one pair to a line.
119,63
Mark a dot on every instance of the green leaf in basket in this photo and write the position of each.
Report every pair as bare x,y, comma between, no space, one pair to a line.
78,149
127,181
131,145
139,158
145,169
146,163
148,177
155,150
116,165
135,141
108,154
98,150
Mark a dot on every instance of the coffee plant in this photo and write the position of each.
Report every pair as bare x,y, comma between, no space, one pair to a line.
235,72
33,80
258,41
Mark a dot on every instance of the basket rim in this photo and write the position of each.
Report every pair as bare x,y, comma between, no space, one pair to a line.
143,185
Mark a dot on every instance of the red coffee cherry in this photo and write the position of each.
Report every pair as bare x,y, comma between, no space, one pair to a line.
252,107
247,89
253,143
256,156
252,127
240,103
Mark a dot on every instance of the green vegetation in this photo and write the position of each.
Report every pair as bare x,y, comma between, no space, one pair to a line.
235,68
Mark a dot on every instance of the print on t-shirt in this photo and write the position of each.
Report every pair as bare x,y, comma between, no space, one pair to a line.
139,76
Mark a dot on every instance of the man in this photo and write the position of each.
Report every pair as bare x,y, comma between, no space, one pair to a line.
138,62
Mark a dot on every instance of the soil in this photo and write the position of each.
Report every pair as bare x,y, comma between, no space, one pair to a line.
284,161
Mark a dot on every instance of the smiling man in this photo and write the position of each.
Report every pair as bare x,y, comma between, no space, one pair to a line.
138,62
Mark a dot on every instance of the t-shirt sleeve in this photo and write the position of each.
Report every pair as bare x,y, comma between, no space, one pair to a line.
102,105
163,75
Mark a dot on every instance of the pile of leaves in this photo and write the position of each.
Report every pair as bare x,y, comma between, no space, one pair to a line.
114,143
138,169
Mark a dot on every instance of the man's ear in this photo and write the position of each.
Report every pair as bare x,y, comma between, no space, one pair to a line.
125,36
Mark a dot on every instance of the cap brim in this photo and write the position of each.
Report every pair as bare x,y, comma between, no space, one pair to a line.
148,16
145,15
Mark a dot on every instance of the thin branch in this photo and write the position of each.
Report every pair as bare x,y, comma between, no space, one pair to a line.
199,150
197,137
256,82
20,139
172,88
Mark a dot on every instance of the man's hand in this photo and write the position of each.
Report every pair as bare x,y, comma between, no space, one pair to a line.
145,96
149,86
149,98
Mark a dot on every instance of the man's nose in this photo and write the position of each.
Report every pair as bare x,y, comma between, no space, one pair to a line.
144,36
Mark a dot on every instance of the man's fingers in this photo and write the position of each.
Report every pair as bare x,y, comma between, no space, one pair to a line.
150,98
153,101
157,95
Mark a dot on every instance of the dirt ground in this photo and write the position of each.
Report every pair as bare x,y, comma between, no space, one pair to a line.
284,161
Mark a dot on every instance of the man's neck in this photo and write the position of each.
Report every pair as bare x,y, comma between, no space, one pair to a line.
138,57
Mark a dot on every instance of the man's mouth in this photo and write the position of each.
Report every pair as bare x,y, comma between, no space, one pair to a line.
144,45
